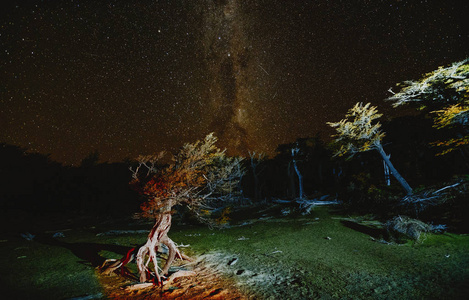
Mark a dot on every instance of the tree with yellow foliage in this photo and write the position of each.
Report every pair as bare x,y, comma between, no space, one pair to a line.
359,133
444,93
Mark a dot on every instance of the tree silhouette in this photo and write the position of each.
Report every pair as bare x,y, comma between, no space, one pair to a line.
257,160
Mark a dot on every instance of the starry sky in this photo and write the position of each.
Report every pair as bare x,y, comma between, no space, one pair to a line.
135,77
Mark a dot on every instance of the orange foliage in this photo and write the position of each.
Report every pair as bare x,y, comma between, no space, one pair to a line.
198,171
168,187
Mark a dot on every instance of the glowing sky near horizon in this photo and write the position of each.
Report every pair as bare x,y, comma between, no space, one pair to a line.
135,77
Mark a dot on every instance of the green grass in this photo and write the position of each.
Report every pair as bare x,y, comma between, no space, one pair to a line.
348,265
313,256
32,270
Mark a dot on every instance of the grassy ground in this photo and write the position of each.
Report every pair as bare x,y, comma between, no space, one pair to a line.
321,255
318,256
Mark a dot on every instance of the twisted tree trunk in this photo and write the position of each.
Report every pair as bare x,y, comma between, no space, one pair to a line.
148,252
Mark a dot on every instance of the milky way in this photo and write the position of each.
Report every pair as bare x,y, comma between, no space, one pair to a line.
136,77
228,54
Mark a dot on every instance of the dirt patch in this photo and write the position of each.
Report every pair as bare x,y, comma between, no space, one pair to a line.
202,282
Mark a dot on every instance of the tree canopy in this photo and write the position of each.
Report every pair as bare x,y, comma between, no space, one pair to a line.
358,132
444,93
199,174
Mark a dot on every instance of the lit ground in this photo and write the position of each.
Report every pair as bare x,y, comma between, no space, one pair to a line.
321,255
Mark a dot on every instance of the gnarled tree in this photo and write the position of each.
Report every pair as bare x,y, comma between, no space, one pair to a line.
199,175
361,133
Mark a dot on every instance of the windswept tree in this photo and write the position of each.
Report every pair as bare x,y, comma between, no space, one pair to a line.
199,176
444,93
359,133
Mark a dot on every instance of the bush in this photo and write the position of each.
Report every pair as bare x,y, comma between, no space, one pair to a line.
402,227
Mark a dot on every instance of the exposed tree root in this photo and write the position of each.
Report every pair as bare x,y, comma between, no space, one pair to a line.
168,281
117,263
147,254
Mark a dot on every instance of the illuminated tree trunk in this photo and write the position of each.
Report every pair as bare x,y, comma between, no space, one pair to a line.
387,176
394,172
294,152
148,252
158,235
300,179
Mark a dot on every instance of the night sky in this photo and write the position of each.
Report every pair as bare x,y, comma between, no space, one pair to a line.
135,77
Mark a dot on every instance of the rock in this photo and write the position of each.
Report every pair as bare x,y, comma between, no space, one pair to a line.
233,261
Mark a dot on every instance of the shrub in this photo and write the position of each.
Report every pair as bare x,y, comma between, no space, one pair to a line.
403,227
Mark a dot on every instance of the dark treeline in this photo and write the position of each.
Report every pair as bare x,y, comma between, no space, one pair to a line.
34,182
